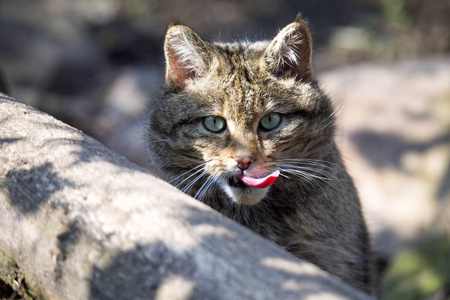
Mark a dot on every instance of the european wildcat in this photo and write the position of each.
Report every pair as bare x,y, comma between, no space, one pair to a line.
244,128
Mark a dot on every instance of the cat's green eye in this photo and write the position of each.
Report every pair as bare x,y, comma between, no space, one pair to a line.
214,123
270,121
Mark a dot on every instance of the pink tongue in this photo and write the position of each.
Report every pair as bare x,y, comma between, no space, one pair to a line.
260,182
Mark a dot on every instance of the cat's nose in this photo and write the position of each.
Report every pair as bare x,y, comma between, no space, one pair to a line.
243,161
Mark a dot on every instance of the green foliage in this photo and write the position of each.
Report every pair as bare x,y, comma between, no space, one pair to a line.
419,271
394,11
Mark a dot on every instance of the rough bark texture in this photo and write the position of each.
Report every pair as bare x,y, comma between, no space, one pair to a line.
78,221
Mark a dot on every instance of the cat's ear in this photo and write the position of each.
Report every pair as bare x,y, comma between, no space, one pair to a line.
289,53
185,55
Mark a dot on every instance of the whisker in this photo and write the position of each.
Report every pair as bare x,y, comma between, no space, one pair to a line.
340,107
205,187
326,175
187,178
319,166
305,174
285,176
310,160
139,122
157,139
190,170
308,177
202,186
191,184
307,159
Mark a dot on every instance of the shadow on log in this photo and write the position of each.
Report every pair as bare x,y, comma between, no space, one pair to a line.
79,221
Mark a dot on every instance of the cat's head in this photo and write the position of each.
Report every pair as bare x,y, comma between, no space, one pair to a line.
236,116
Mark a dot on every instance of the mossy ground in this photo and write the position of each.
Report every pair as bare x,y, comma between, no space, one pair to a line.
419,271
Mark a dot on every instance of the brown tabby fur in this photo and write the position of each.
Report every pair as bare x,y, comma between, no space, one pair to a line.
312,209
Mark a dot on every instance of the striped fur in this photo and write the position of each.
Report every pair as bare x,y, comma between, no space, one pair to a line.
312,209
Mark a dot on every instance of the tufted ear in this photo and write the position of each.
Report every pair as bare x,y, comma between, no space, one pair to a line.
289,53
185,54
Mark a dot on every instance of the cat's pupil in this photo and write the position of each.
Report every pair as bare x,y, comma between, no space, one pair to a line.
214,123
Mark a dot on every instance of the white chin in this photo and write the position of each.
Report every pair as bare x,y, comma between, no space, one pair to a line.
246,196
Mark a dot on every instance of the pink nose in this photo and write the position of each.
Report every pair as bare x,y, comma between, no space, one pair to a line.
243,161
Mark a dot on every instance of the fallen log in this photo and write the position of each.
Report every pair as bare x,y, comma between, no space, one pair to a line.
78,221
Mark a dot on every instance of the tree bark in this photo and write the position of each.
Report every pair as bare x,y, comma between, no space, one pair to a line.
78,221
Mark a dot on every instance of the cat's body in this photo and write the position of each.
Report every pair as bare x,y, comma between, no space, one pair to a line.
233,118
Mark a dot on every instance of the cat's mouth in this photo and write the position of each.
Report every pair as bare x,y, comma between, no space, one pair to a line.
248,190
243,181
235,182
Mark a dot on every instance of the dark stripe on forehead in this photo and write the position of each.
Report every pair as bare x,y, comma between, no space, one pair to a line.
247,75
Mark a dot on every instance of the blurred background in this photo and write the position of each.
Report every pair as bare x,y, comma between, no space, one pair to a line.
94,64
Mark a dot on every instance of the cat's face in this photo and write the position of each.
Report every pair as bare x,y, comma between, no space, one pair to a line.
237,117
